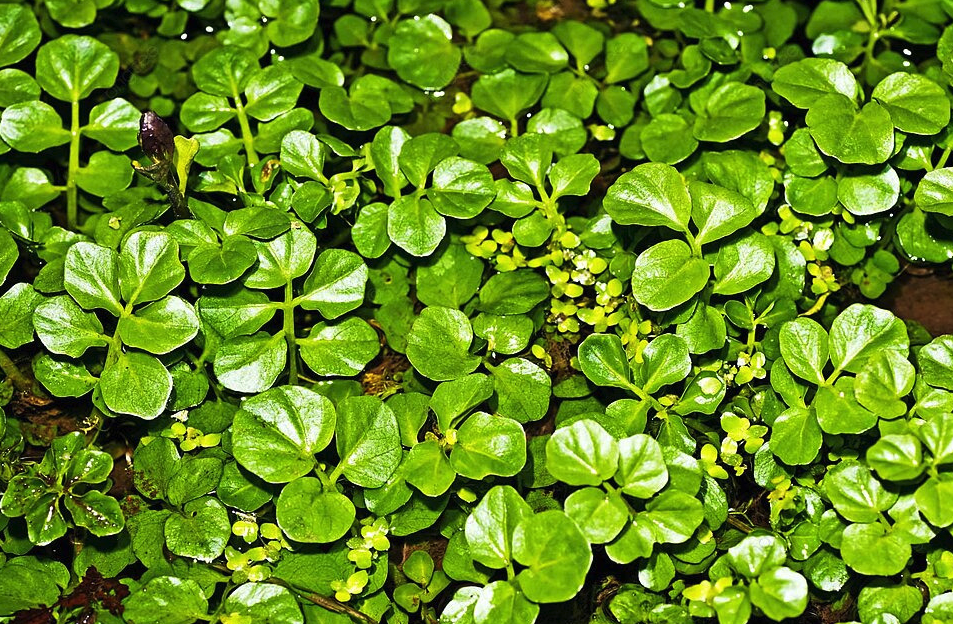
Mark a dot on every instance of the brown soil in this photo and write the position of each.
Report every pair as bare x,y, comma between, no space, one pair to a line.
927,299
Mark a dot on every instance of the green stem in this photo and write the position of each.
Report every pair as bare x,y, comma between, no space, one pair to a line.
869,9
326,602
710,6
72,202
514,127
10,369
247,137
943,158
289,330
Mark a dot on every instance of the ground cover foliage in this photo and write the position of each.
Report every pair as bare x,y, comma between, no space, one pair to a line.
464,312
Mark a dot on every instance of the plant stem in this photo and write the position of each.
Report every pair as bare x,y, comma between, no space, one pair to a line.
72,203
247,137
943,158
710,6
289,329
13,373
326,602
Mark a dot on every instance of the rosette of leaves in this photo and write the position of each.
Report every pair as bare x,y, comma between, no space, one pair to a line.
628,497
504,534
766,583
277,435
444,185
133,288
69,69
233,86
867,381
672,272
304,155
479,444
248,357
68,473
529,161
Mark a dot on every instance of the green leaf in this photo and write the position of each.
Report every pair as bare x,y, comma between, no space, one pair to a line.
626,57
743,263
536,52
19,34
602,359
283,259
896,457
667,275
557,556
368,441
428,469
136,384
642,470
489,445
933,500
935,191
718,212
668,139
114,123
651,194
869,193
358,111
421,52
336,284
201,531
916,104
451,280
674,516
523,390
276,434
251,363
149,267
71,67
452,399
733,109
490,526
307,513
804,347
599,515
339,349
873,550
582,453
166,600
32,127
65,328
302,154
860,332
224,71
796,436
91,277
461,188
506,94
757,554
439,342
18,313
886,379
573,175
270,92
835,123
664,361
264,602
856,494
780,593
104,174
160,327
414,225
805,81
514,292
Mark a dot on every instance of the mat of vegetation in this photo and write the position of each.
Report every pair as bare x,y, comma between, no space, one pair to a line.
468,312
